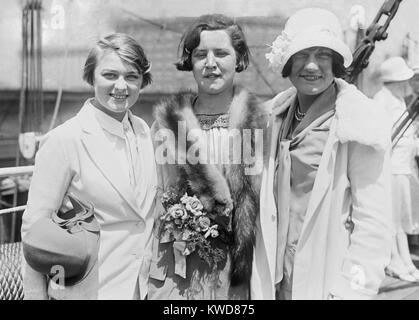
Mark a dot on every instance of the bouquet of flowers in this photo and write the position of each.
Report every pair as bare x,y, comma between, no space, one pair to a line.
185,219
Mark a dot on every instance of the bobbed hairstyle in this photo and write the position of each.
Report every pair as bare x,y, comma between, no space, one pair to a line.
126,48
209,22
338,68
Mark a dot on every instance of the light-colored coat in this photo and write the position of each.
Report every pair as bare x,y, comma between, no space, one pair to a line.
402,155
353,178
77,157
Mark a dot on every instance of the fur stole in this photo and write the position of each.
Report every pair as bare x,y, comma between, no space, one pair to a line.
235,191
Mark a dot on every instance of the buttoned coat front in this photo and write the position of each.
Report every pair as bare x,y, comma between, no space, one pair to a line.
76,157
353,179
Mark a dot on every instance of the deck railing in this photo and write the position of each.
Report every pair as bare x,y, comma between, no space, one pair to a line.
13,172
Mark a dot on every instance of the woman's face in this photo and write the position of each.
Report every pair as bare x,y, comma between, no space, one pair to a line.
311,71
414,83
214,62
117,84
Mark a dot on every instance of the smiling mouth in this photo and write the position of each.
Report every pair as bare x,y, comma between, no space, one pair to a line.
212,76
119,96
310,77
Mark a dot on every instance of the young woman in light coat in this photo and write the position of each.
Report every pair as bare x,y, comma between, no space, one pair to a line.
103,156
324,228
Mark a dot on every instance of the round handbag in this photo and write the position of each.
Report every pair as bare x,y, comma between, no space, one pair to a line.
65,246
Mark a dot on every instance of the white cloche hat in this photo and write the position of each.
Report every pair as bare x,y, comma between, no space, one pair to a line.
395,69
311,27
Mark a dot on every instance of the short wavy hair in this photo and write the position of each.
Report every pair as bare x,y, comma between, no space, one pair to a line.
338,69
126,48
191,38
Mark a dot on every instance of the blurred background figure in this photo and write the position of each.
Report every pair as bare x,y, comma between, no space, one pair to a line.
395,75
413,239
414,84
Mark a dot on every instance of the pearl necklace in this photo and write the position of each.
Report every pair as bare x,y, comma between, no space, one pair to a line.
298,115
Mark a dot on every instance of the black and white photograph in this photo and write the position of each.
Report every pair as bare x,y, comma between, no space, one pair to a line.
205,155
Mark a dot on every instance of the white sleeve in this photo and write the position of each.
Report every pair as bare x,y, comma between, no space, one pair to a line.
370,242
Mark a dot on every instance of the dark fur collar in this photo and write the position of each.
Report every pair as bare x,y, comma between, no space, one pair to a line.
218,193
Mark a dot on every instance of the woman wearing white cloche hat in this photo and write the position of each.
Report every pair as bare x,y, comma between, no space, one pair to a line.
324,228
395,75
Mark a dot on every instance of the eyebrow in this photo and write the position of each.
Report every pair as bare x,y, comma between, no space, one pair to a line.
215,49
116,71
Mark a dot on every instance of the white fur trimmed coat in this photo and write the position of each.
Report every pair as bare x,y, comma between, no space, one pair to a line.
354,179
234,190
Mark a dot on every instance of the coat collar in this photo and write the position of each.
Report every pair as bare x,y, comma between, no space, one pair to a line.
360,119
98,148
87,112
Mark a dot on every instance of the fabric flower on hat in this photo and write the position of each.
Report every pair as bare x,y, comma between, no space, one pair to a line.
278,50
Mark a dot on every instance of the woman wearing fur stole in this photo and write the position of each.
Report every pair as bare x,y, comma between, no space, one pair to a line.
325,194
209,155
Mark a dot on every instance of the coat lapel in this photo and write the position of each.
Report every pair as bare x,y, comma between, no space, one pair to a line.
268,200
97,147
268,206
146,188
322,182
